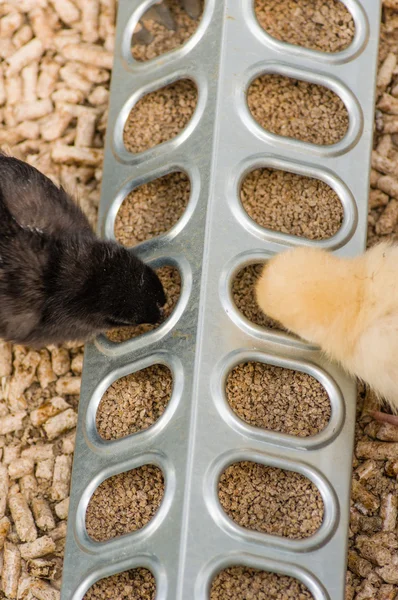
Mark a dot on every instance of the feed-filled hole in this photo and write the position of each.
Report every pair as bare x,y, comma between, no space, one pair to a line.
124,503
160,116
134,402
271,500
243,293
160,39
152,208
135,584
324,25
291,203
278,399
298,109
171,281
241,583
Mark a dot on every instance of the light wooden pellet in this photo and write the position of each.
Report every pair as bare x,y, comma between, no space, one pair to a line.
29,130
388,104
29,488
62,508
13,89
32,51
20,467
12,422
43,591
389,574
41,26
22,36
377,450
22,378
69,385
9,24
60,360
11,452
60,423
388,220
80,156
5,527
71,75
85,130
11,570
49,409
59,533
41,547
33,110
384,164
55,125
386,71
388,512
90,20
66,95
47,79
5,359
4,486
42,513
68,443
22,518
29,76
377,198
67,11
38,452
45,469
388,185
361,494
90,54
45,372
61,477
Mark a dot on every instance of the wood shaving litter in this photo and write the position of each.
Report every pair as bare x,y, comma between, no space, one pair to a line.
291,203
297,109
124,503
136,584
278,399
165,40
165,112
152,209
244,583
171,280
134,402
270,500
324,25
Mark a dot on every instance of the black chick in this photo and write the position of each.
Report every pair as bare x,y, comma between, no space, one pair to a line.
58,281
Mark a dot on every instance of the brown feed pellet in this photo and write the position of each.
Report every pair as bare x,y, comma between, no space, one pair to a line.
160,116
171,280
124,503
291,203
165,40
270,500
278,399
297,109
134,402
324,25
245,583
243,293
136,584
152,209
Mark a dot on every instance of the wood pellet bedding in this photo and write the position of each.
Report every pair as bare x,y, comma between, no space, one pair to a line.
38,416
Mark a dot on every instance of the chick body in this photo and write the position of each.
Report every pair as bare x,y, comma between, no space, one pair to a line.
347,306
58,281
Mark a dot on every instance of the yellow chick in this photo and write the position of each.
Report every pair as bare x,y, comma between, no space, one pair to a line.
347,306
